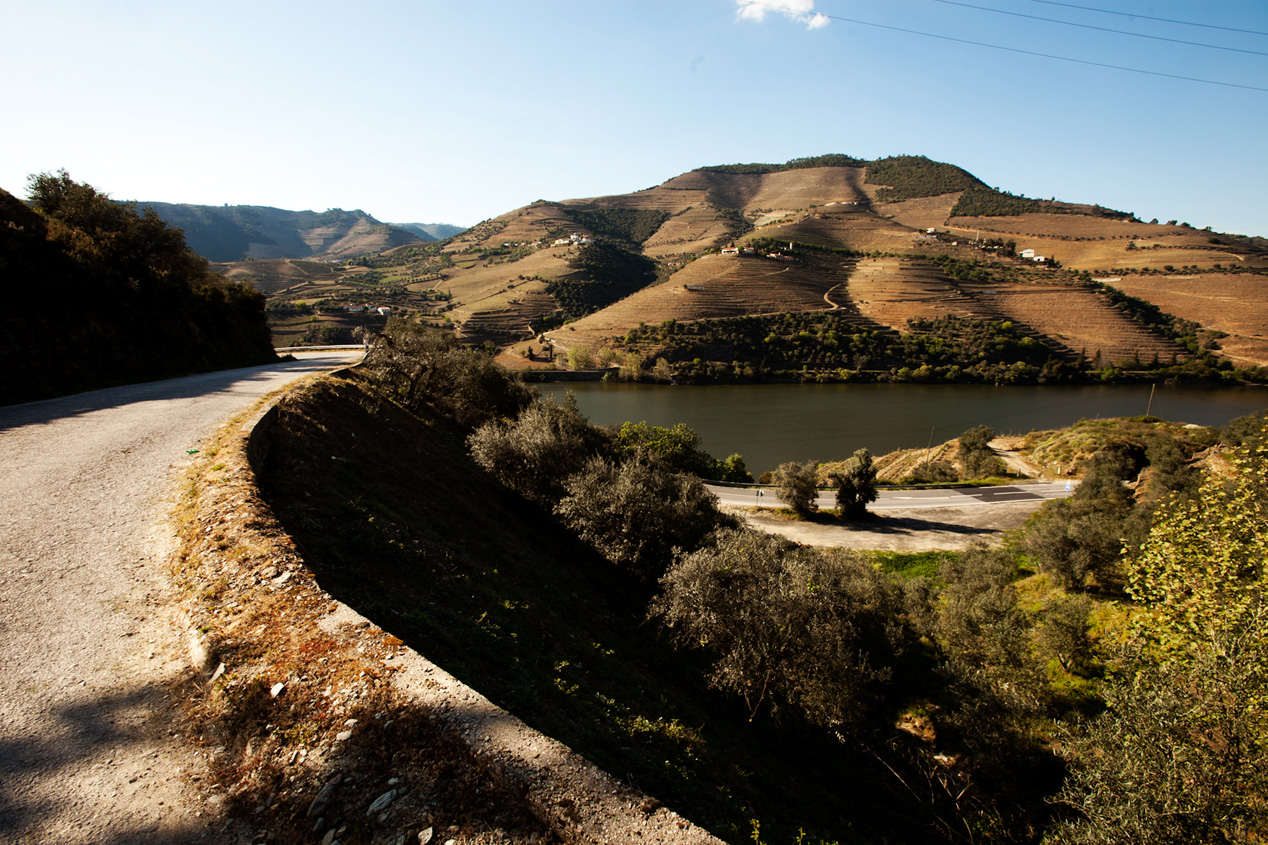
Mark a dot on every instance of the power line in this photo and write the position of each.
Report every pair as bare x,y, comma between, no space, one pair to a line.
1148,18
1102,28
1020,51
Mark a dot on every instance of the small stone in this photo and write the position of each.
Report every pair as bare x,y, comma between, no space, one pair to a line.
220,670
381,802
329,838
323,798
343,736
424,836
276,689
351,723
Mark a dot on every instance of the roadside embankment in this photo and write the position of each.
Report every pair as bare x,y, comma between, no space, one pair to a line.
315,722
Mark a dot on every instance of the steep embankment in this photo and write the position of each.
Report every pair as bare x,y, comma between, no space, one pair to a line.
492,590
331,724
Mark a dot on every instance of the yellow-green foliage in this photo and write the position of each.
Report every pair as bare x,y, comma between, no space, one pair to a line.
1202,571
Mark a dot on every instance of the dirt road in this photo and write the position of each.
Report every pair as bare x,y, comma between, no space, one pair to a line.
87,643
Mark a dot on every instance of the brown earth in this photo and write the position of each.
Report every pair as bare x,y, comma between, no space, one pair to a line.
1236,304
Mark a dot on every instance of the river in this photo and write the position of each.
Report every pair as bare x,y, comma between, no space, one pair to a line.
772,423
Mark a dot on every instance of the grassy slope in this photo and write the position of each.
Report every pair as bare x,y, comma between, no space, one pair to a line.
435,552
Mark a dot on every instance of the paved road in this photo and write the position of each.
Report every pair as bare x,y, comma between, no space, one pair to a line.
1036,492
87,642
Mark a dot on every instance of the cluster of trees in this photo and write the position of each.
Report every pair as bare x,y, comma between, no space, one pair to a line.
99,293
981,201
909,177
607,273
630,494
630,225
797,485
829,160
634,493
831,346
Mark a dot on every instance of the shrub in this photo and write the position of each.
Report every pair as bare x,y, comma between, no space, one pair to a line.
637,515
536,453
790,627
977,456
420,366
856,485
796,487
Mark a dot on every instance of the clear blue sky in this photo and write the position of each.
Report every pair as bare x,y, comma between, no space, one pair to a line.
454,112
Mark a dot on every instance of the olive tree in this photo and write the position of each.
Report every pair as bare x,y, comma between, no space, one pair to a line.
796,486
789,627
539,449
856,485
638,514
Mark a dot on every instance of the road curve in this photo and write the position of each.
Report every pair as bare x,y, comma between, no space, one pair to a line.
87,643
943,497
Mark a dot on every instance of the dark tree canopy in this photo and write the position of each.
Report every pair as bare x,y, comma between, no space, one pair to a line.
99,293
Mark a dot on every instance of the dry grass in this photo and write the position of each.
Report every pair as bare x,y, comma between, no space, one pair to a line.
334,718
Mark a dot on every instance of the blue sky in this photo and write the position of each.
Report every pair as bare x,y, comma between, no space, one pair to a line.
455,112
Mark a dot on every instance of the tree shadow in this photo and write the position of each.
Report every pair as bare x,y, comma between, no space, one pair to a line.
96,729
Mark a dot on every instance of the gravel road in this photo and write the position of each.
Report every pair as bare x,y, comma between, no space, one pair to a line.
88,645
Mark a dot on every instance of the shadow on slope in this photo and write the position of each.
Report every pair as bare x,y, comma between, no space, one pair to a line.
397,522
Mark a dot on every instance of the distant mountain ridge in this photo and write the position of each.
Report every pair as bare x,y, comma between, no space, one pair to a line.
238,232
431,231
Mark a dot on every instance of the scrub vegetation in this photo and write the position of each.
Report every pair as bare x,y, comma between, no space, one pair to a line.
779,693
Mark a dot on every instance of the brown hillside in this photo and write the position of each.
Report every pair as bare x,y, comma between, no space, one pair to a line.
497,272
1236,304
921,213
1081,320
893,290
710,287
1095,243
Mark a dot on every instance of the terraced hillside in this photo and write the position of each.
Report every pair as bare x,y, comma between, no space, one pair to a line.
1230,303
711,287
879,235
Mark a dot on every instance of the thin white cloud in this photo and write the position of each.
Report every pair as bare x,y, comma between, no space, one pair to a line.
801,11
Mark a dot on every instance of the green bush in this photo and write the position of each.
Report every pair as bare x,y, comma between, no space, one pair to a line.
637,514
790,628
796,486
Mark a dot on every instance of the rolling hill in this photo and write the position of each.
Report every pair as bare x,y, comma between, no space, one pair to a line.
877,243
238,232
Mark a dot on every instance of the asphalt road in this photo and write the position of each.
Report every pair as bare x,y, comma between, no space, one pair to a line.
1037,492
88,643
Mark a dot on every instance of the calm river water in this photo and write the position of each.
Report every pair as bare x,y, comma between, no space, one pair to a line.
772,423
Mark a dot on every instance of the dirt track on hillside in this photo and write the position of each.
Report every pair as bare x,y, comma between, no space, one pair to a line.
902,530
